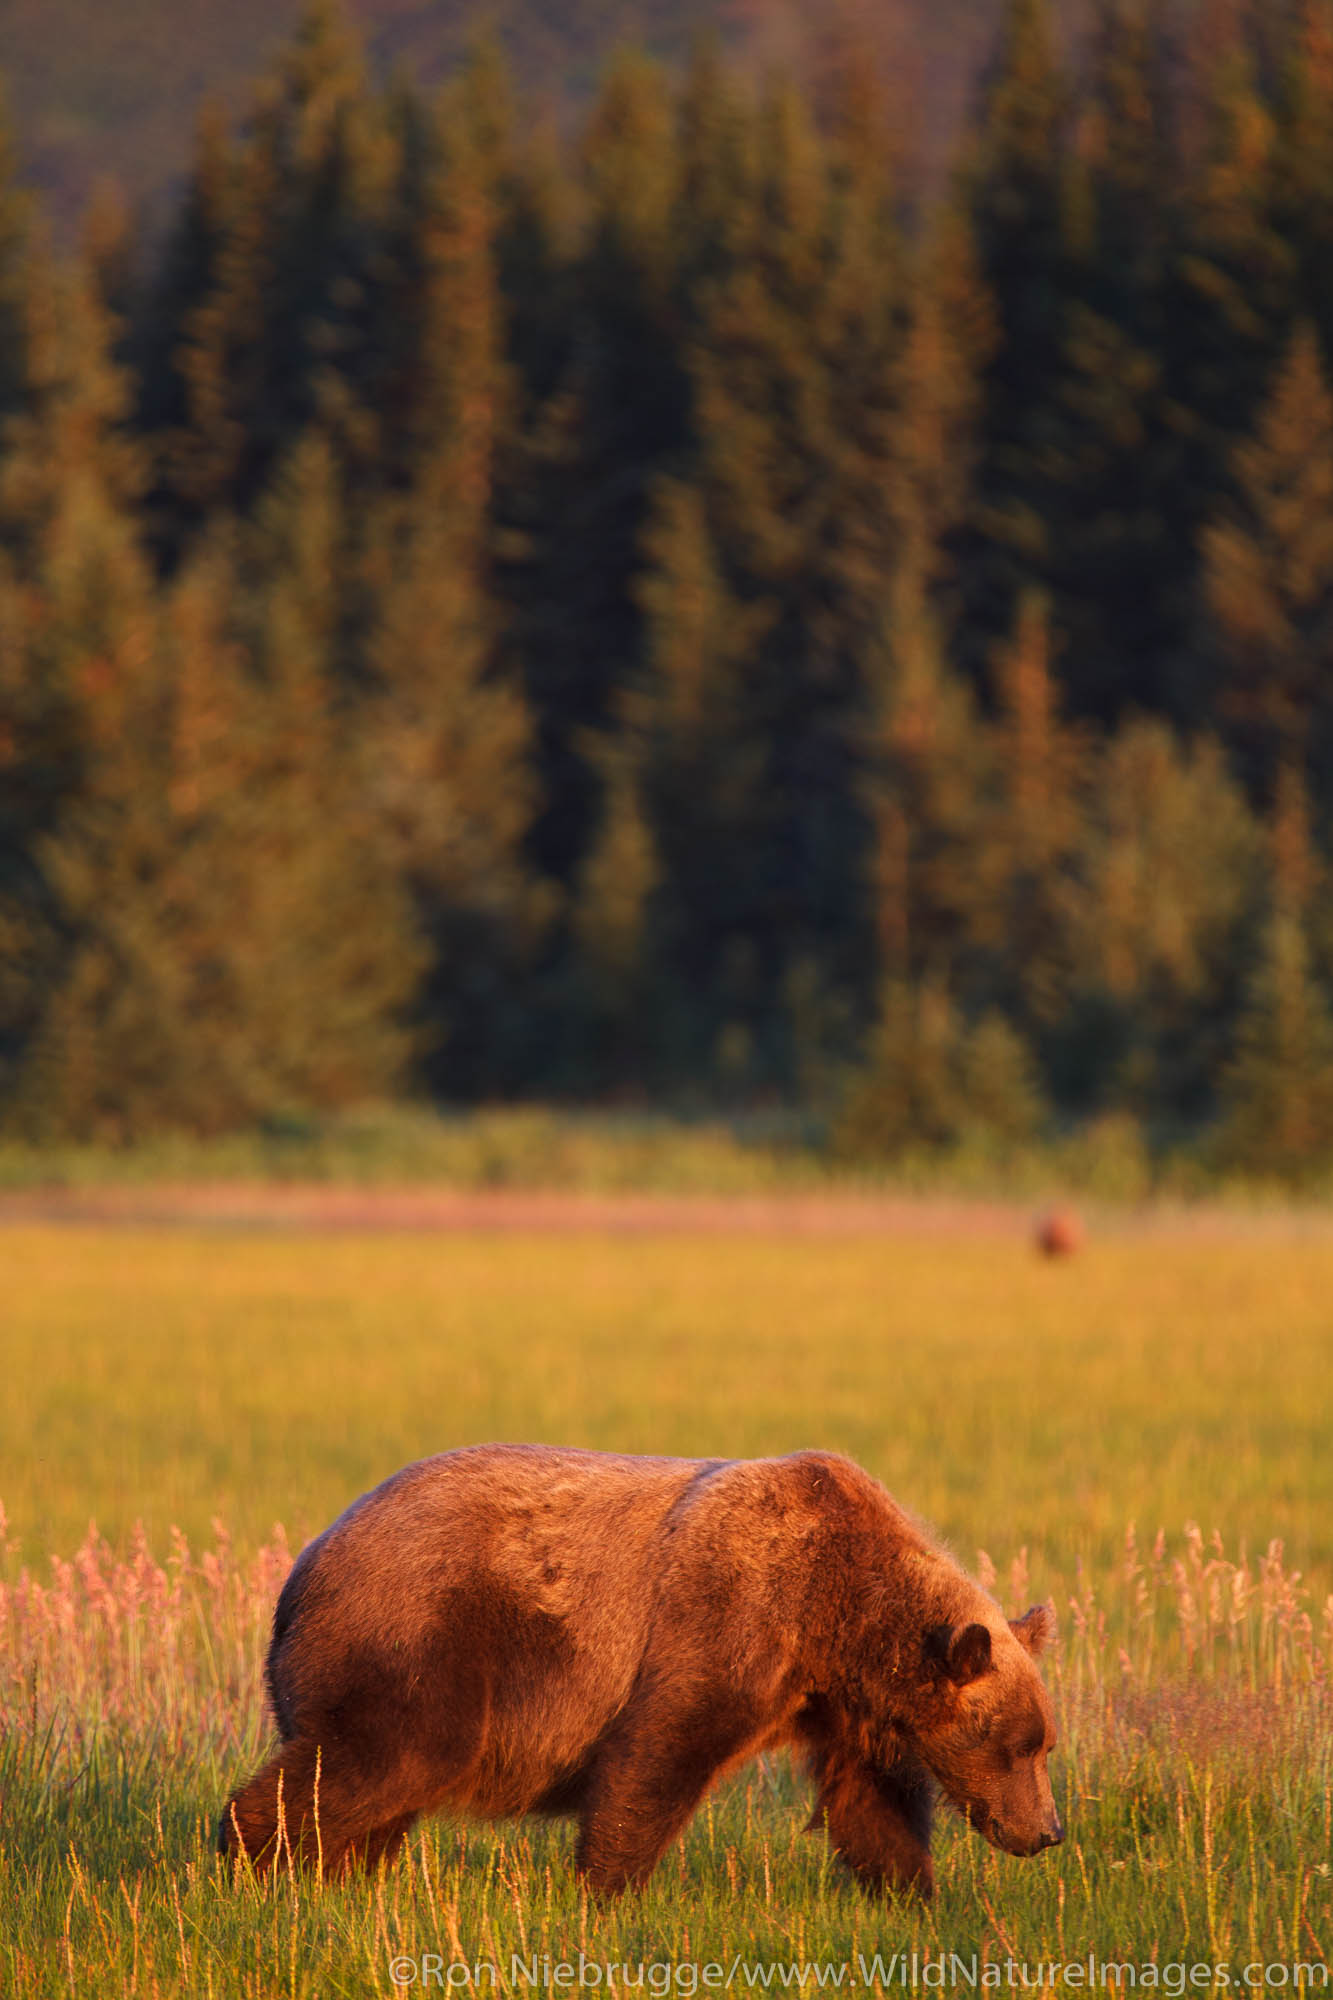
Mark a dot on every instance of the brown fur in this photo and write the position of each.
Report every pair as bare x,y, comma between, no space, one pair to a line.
515,1628
1059,1233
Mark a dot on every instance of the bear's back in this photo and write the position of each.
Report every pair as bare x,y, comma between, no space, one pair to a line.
533,1567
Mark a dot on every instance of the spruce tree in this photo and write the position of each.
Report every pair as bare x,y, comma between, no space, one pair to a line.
1033,829
446,730
319,981
613,931
1303,157
1277,1089
212,375
929,1081
15,236
1268,572
1168,874
1115,462
233,943
75,605
263,308
924,790
794,524
714,136
1235,275
609,412
1228,304
909,1094
1016,180
77,613
206,930
950,340
1003,1100
699,767
179,367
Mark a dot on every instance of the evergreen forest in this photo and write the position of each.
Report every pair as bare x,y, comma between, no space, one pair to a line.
654,607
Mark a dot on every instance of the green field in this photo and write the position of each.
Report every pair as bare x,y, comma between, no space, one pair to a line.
1031,1410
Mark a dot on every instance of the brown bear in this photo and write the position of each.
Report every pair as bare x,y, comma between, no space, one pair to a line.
515,1628
1059,1233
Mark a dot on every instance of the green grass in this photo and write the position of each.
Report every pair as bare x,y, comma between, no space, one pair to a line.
524,1146
178,1375
1104,1159
1171,1857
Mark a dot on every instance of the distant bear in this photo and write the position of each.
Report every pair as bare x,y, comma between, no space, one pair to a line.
516,1628
1059,1233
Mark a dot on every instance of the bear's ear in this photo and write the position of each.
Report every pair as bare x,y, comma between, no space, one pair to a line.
1035,1630
963,1654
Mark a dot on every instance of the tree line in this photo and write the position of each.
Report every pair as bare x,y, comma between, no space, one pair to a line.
654,608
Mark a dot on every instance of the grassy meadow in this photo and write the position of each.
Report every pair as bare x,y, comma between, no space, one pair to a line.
1141,1433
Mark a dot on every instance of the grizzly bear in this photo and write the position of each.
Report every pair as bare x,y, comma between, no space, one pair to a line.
521,1629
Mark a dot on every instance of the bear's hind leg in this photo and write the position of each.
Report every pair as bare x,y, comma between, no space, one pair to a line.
879,1822
259,1820
380,1846
312,1809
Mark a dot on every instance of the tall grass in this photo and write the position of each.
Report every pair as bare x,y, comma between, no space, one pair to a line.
1196,1771
176,1375
125,1646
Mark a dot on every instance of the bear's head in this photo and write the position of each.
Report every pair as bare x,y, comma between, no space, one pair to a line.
986,1728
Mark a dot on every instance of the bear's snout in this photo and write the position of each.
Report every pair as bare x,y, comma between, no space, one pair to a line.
1032,1841
1021,1818
1024,1845
1050,1836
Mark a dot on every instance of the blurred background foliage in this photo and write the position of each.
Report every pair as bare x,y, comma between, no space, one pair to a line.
681,593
